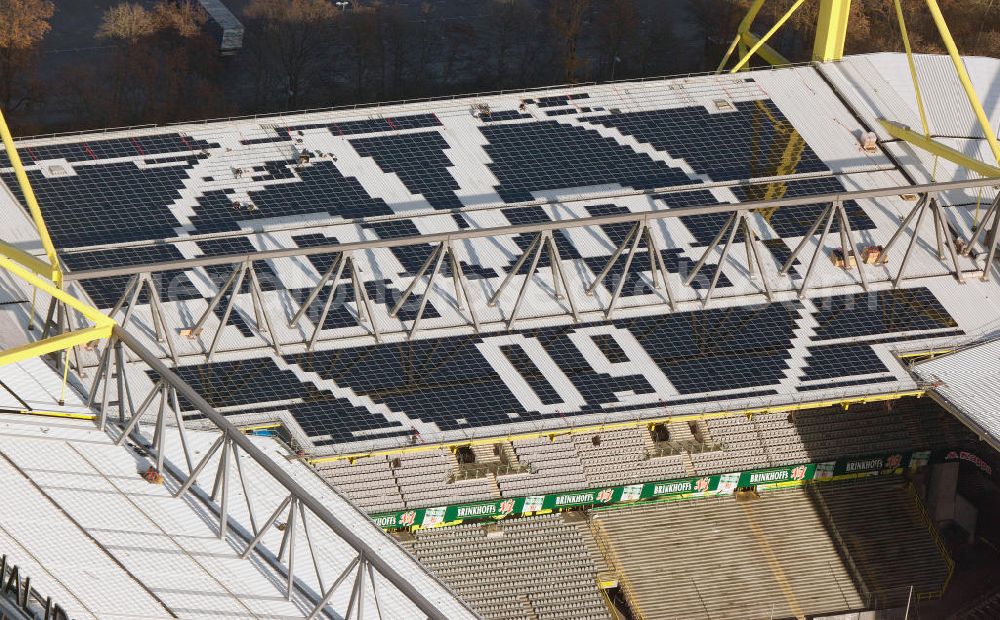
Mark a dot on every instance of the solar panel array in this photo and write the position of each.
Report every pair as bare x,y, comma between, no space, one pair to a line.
339,177
361,393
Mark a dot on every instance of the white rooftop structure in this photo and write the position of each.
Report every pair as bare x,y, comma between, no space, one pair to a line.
445,205
967,383
266,262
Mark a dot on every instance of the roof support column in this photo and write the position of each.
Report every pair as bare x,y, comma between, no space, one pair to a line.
831,30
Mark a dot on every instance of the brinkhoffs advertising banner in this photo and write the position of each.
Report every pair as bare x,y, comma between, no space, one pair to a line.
702,486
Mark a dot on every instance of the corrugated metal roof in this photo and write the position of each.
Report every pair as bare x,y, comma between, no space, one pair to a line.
969,381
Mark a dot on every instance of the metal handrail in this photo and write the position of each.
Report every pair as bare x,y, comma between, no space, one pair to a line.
376,106
604,547
938,542
840,544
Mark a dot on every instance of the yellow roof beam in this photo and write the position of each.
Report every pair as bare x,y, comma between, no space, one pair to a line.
901,132
101,329
31,262
29,199
756,47
963,77
765,51
92,314
61,342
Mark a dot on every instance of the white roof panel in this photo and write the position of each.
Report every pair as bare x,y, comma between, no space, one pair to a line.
968,383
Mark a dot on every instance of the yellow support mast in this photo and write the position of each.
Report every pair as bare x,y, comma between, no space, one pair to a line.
831,30
831,33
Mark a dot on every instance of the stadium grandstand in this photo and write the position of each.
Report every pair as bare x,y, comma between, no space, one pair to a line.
710,346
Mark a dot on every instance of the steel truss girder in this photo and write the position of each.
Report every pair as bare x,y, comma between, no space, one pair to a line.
739,220
640,231
990,224
942,233
541,242
564,288
833,212
504,231
301,510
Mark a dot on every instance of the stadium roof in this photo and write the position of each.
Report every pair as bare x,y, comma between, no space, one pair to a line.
501,183
967,383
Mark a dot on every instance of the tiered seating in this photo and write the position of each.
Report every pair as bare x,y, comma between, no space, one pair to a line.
818,435
882,528
620,457
743,447
719,558
555,466
539,567
369,482
930,425
986,607
422,479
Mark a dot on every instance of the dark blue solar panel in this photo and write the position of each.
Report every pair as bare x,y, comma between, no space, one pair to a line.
751,141
836,361
420,162
827,385
454,381
447,379
109,203
557,100
505,115
172,285
780,251
880,312
321,262
235,246
345,128
112,148
795,221
220,274
322,189
531,157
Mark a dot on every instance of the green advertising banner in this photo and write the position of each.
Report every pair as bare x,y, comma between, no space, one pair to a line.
702,486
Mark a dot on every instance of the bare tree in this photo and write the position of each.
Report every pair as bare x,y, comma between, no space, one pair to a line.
23,24
616,30
296,33
185,17
362,37
126,22
509,21
567,20
163,58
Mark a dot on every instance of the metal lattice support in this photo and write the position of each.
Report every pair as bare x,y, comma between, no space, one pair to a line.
835,211
640,232
739,220
541,242
943,236
568,291
990,225
297,515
